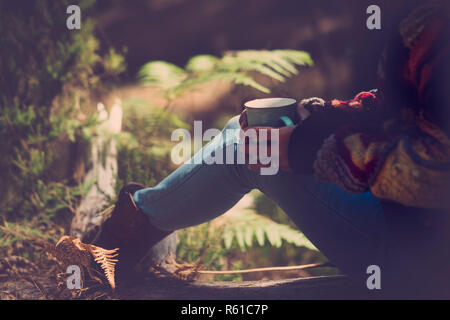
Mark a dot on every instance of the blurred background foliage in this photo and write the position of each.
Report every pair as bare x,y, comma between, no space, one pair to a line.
48,79
170,62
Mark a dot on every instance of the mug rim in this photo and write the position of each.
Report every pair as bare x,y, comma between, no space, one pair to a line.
293,101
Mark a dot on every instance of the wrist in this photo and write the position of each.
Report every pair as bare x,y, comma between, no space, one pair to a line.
285,139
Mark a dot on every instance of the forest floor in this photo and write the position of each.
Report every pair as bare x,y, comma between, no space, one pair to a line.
42,278
44,284
28,273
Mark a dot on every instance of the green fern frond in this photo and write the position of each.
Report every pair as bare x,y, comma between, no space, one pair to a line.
202,63
241,79
245,225
228,236
277,64
162,74
234,67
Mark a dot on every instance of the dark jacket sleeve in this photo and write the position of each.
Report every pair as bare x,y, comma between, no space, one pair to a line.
326,117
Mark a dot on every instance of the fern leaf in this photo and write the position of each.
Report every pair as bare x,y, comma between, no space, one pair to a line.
300,58
242,79
273,235
234,67
239,232
162,74
260,236
228,236
283,62
201,63
248,236
245,224
266,71
105,258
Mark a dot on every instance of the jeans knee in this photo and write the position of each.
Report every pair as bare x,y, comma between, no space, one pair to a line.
233,123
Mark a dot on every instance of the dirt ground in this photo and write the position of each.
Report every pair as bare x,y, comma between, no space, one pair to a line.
44,279
44,286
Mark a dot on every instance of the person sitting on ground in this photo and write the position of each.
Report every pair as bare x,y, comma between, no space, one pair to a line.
366,180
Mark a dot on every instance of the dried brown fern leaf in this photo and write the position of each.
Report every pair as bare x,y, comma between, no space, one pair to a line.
105,258
71,251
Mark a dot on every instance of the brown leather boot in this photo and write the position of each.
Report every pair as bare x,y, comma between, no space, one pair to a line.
129,230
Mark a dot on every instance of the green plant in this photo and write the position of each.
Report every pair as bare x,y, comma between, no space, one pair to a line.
48,75
246,225
144,144
234,66
222,240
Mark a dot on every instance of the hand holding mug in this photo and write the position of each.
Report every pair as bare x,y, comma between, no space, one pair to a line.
273,114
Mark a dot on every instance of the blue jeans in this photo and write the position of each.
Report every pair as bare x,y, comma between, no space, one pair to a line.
350,230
